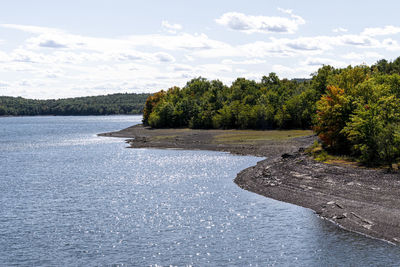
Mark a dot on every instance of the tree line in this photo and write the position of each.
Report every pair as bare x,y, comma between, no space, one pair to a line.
91,105
354,110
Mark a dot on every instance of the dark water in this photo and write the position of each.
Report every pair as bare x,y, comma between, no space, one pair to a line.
69,198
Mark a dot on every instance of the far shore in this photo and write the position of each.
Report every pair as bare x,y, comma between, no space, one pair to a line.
75,115
361,200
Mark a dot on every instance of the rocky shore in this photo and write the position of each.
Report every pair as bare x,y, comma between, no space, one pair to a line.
362,200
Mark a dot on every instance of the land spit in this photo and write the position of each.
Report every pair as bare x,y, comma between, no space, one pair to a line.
362,200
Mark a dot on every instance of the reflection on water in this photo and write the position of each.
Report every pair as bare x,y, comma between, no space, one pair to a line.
71,198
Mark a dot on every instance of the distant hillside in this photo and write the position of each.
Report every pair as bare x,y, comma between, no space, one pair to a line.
301,80
90,105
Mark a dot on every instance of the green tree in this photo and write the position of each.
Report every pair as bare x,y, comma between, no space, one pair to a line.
374,130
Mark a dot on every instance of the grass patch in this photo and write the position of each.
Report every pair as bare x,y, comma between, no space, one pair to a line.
163,137
253,136
320,154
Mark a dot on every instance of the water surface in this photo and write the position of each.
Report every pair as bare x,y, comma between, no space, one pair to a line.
70,198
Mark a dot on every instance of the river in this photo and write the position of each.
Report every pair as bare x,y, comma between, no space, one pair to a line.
70,198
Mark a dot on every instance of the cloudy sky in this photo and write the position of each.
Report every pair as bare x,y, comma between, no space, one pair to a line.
54,49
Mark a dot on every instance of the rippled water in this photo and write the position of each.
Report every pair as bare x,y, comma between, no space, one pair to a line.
70,198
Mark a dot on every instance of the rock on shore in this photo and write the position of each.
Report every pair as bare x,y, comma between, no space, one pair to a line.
361,200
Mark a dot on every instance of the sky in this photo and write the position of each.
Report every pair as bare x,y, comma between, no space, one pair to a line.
58,49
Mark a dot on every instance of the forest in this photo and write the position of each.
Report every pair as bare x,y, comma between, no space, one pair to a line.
91,105
354,110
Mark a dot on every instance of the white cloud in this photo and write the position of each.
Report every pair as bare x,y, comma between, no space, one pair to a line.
171,28
390,44
239,70
361,56
387,30
198,45
261,24
219,52
31,29
295,72
358,40
252,75
3,84
243,62
4,57
286,11
16,67
55,38
180,41
164,57
214,68
290,47
308,43
297,18
130,55
181,67
83,65
282,47
52,44
23,55
340,29
318,61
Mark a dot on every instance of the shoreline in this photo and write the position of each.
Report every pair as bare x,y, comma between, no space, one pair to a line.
76,115
360,200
